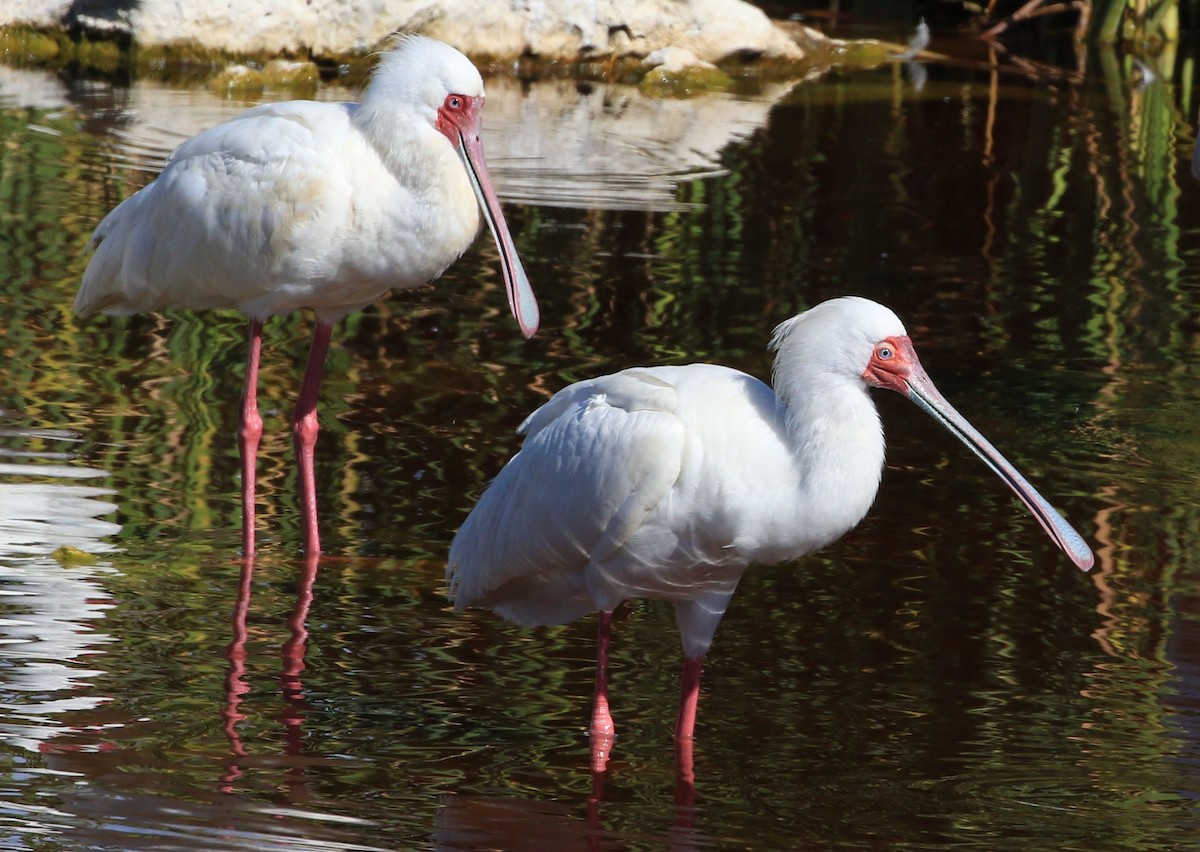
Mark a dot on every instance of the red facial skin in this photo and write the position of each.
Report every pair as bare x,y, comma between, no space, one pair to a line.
891,364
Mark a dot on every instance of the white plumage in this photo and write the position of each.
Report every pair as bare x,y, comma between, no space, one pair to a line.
311,205
668,482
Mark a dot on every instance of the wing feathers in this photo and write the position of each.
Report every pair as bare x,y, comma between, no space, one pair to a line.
598,459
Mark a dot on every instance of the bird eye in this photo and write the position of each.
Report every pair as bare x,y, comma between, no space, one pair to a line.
454,102
884,353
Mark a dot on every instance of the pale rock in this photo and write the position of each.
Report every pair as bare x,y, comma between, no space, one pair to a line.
563,30
43,14
676,60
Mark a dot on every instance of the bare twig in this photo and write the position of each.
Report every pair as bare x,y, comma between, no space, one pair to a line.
1036,9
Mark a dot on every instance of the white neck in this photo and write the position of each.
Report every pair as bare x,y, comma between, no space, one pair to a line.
837,440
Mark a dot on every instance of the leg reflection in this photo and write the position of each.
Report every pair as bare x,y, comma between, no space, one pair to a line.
236,685
291,685
294,650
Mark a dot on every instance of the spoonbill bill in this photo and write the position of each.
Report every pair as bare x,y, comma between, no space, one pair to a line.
669,482
327,206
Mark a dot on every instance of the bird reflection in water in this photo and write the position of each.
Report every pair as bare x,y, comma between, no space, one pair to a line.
291,685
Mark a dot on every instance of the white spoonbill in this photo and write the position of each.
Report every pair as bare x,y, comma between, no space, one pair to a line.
668,482
311,205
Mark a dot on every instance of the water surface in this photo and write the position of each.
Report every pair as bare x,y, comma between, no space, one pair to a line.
941,676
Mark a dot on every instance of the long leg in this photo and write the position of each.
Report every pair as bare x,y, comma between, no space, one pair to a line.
685,725
602,730
689,697
304,433
250,428
685,784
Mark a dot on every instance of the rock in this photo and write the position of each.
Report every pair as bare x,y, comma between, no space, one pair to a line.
38,14
676,60
557,30
677,72
560,29
237,80
22,46
290,74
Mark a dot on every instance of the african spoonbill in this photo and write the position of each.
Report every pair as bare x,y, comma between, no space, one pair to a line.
311,205
668,482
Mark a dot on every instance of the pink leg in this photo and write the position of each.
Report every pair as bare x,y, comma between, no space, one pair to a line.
304,433
250,428
602,729
594,800
685,783
689,697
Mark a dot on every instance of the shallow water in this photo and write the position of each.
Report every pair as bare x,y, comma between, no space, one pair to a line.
941,676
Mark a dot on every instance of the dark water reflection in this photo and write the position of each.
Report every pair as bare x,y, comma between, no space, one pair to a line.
941,676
